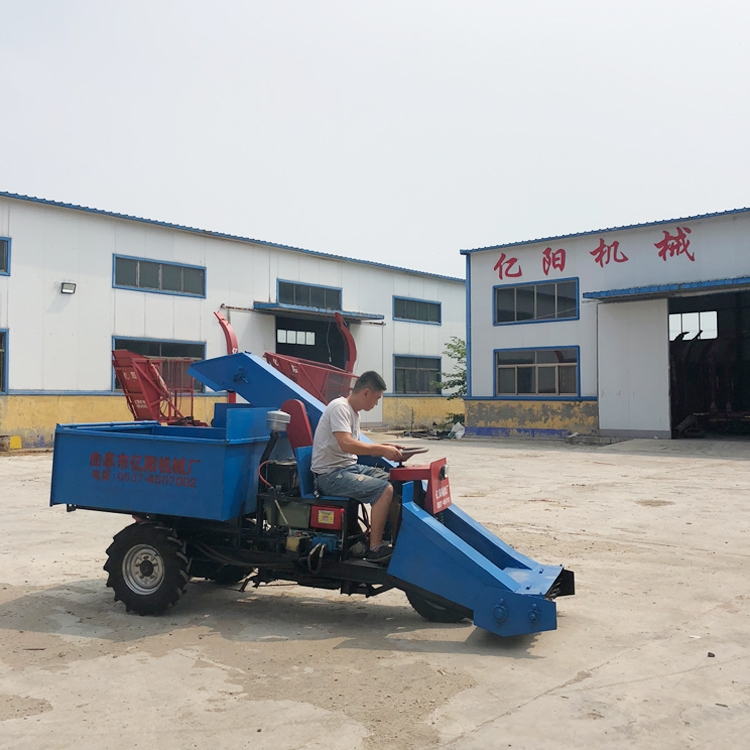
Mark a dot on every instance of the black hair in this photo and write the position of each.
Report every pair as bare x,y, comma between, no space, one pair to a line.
371,380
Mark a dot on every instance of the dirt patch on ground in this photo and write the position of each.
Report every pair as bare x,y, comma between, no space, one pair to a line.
21,706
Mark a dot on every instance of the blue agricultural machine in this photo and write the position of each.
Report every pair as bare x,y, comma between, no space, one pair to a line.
234,502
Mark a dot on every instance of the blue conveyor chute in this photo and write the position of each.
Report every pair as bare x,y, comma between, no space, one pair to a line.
261,385
256,381
459,561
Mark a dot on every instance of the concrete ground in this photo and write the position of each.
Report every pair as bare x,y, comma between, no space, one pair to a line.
652,652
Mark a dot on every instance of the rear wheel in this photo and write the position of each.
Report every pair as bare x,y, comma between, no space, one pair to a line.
148,568
432,611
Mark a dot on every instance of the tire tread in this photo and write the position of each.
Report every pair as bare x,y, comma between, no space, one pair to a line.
176,563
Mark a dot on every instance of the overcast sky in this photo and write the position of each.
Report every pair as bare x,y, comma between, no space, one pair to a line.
396,130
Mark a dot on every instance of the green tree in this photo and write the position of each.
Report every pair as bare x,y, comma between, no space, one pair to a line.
455,349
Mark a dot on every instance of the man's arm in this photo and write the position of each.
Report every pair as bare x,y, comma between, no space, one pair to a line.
349,445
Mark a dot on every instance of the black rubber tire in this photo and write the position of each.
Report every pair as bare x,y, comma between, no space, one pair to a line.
148,568
228,574
432,611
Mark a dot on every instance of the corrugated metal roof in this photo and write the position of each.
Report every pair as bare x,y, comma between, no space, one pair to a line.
610,229
222,235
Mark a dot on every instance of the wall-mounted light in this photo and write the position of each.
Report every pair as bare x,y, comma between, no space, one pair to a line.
67,287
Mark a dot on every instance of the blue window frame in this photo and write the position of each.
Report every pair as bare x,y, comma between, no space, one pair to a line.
417,310
4,256
3,360
158,276
548,372
175,358
308,295
417,375
535,302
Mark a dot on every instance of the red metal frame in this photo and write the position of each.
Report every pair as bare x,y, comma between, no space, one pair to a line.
147,394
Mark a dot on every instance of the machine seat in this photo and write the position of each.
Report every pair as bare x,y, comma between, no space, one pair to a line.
307,478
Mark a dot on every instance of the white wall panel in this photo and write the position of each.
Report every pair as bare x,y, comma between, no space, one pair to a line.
129,314
399,337
634,369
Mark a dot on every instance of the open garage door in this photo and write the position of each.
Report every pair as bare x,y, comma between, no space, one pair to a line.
633,346
710,363
310,338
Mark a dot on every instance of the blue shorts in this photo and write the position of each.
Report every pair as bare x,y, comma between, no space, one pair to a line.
359,482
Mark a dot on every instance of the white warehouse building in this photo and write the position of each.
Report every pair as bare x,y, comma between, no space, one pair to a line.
76,283
640,331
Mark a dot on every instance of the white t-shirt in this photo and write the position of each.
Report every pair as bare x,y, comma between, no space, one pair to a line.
327,455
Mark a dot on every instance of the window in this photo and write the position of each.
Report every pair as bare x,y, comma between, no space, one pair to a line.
537,372
417,375
306,338
175,356
3,359
549,300
306,295
153,276
4,255
693,323
416,310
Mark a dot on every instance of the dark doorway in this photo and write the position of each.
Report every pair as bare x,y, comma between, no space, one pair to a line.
315,339
709,356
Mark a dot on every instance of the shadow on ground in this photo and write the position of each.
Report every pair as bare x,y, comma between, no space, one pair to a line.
277,612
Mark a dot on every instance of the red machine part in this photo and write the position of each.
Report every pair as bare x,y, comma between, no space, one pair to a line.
229,334
325,382
438,495
327,517
349,345
298,431
147,395
232,347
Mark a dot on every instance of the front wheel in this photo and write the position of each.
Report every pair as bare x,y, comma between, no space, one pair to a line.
432,611
148,568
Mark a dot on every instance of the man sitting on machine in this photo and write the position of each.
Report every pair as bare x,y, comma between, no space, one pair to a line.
336,446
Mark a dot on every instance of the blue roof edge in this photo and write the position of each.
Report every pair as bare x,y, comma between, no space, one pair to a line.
608,229
658,289
222,235
282,307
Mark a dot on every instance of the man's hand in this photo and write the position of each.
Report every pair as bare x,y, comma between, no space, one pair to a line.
391,452
349,445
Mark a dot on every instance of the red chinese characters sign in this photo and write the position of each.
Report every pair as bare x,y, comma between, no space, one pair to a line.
553,259
606,253
506,267
672,246
166,470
